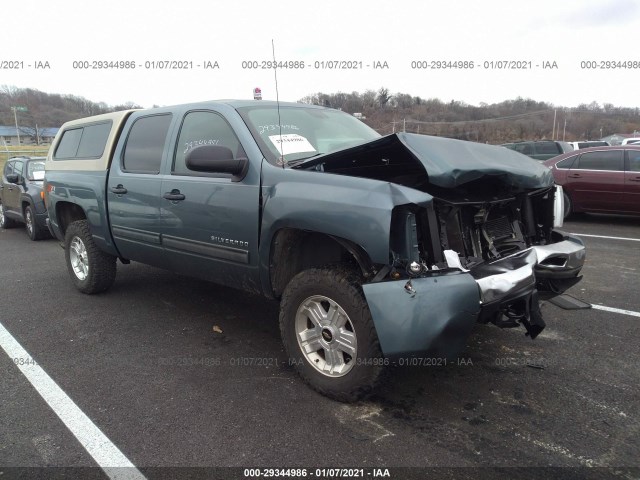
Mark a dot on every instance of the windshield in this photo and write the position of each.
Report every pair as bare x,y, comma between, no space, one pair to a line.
303,132
35,170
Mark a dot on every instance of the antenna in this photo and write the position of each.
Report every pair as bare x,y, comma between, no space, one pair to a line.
275,75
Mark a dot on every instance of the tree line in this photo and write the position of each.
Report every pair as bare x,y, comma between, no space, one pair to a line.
386,112
507,121
38,110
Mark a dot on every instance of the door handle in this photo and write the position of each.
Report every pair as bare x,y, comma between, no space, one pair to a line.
174,195
637,179
574,175
119,189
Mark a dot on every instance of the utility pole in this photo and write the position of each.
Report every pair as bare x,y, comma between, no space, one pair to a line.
553,130
404,124
564,130
15,119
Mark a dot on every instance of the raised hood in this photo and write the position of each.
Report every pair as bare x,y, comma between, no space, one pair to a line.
417,160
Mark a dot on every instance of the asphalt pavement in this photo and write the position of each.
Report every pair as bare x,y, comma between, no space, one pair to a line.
179,373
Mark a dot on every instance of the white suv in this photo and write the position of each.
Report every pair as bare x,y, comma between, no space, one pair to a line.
589,143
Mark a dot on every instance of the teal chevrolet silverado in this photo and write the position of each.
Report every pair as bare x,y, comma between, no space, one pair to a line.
376,247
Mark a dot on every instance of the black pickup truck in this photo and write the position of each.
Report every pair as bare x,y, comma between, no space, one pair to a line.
377,247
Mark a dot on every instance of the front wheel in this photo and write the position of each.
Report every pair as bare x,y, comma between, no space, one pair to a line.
35,231
329,335
567,205
91,269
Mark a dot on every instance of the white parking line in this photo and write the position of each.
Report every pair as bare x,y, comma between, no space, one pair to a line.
105,453
616,310
603,236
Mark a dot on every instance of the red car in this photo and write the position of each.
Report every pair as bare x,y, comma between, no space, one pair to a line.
599,179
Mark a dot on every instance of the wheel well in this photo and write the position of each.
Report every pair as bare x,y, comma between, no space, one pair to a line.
67,213
293,251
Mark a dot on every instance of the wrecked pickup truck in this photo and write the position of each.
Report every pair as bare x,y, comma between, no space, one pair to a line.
376,247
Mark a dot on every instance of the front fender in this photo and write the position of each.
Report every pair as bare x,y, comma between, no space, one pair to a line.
355,209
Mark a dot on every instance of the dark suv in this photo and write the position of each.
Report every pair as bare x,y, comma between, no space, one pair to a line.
21,196
540,149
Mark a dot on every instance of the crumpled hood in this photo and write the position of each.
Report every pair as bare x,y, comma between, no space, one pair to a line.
448,163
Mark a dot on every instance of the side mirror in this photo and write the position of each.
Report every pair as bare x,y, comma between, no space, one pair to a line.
14,178
216,159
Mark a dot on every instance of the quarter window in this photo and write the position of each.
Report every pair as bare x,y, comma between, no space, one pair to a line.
609,160
567,162
145,144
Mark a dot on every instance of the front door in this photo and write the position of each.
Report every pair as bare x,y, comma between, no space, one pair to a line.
210,221
11,191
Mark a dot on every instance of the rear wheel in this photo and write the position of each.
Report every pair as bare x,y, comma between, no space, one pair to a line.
4,221
90,269
33,229
329,335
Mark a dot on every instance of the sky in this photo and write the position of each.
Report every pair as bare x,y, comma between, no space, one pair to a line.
562,52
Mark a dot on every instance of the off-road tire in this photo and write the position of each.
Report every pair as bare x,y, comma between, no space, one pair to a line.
35,231
4,221
341,286
100,272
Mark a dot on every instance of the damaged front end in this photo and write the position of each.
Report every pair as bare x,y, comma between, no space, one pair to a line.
484,250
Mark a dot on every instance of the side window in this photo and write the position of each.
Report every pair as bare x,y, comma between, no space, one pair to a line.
18,167
145,144
634,160
8,169
567,162
94,139
547,148
203,128
68,146
525,149
609,160
83,142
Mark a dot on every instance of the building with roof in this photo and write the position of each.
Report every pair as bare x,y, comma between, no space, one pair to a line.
28,136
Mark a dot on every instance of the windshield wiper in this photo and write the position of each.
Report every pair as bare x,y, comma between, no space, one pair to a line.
297,161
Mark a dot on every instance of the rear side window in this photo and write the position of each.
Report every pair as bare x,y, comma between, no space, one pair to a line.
567,162
88,141
547,148
145,144
634,161
611,160
69,143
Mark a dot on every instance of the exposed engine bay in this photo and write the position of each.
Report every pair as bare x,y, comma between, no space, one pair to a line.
492,216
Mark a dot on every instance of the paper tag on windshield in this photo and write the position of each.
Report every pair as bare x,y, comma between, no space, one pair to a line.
291,143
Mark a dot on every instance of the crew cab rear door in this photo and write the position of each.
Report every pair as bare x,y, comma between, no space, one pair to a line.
134,186
210,220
